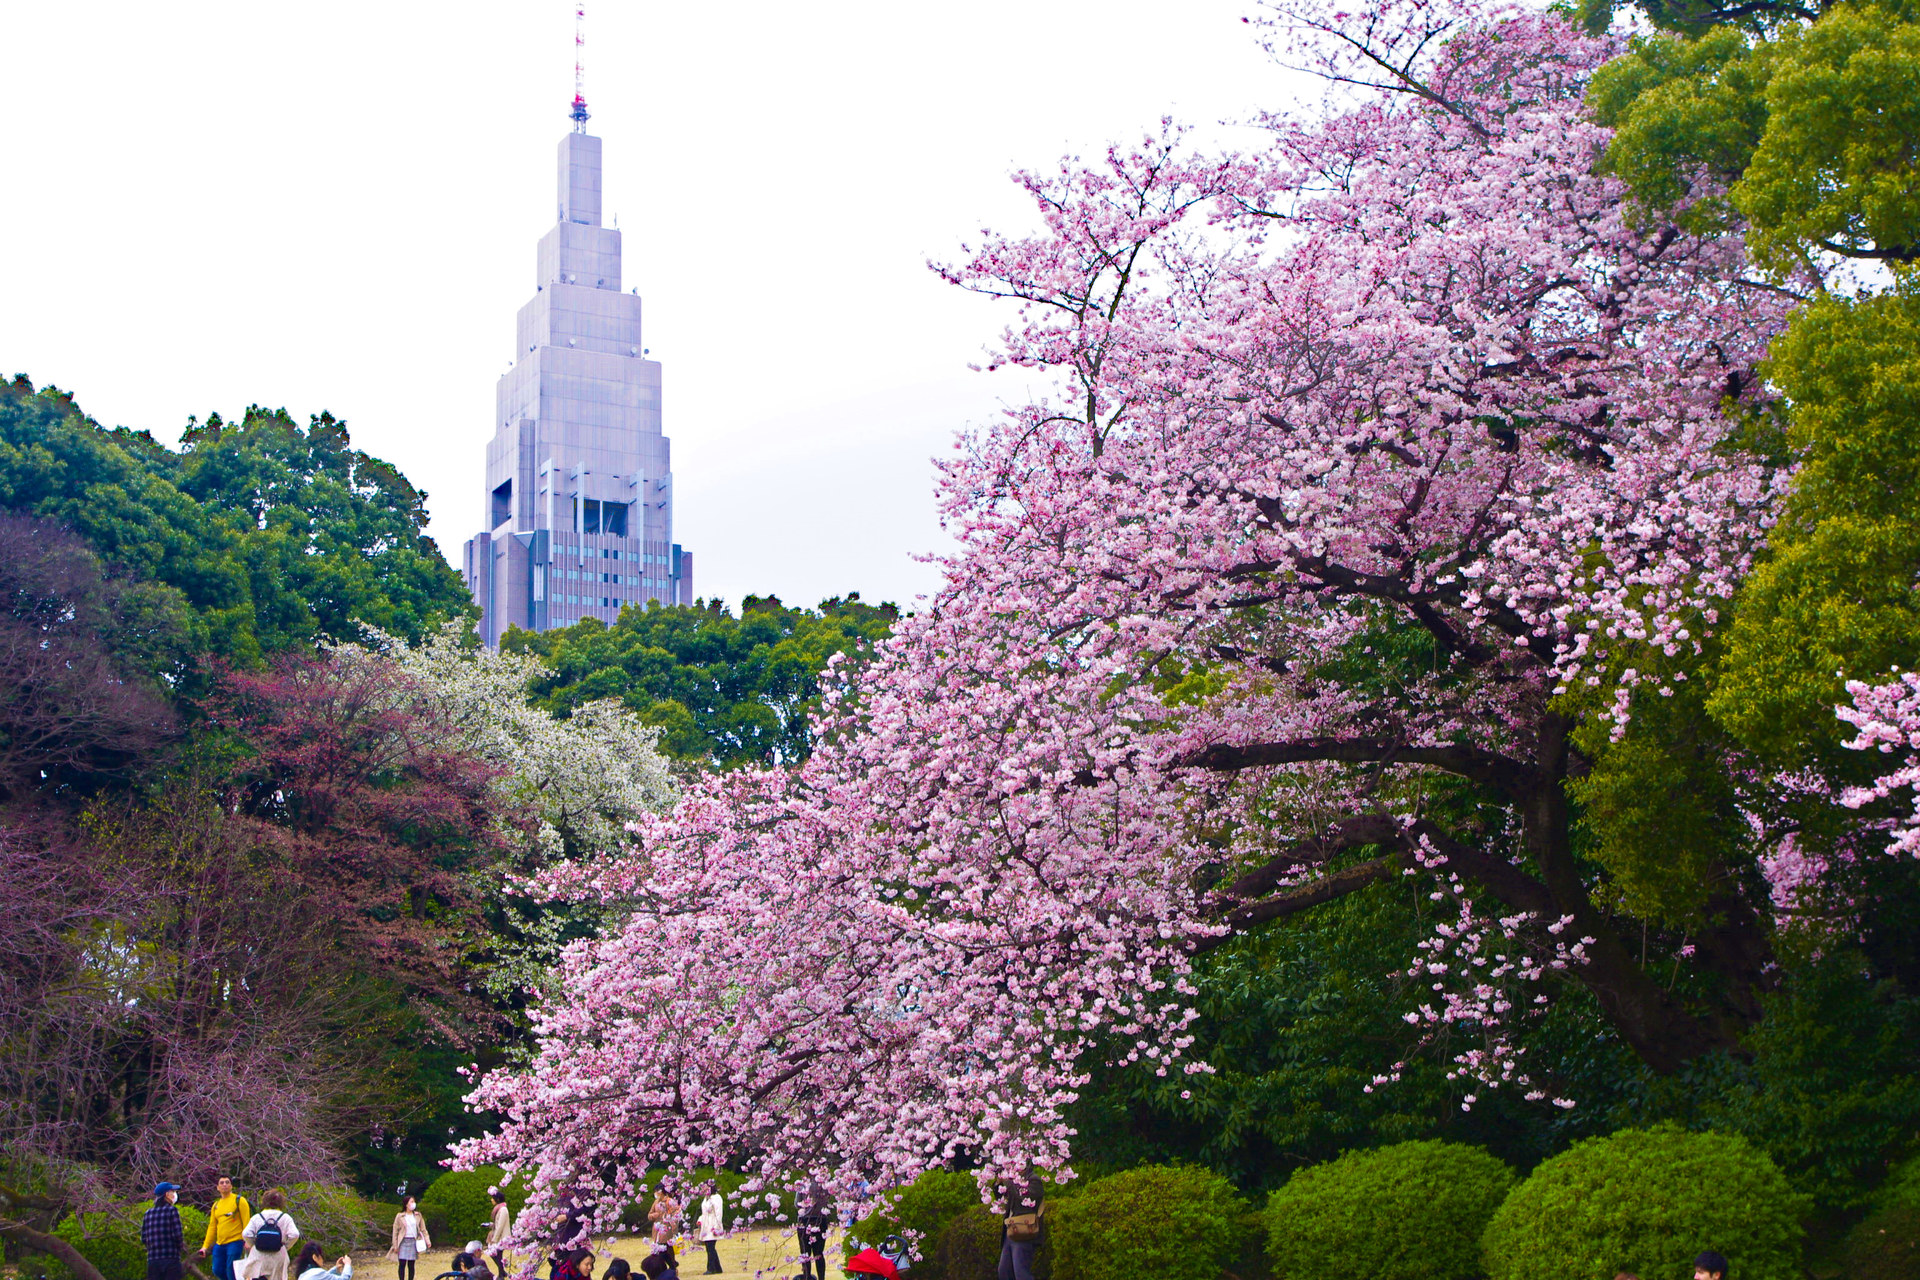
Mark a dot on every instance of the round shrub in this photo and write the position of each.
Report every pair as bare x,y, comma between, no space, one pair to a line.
1885,1246
1413,1211
967,1248
919,1212
1647,1201
457,1207
1173,1222
110,1240
342,1220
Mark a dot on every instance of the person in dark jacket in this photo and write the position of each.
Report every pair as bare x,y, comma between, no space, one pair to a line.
1020,1233
813,1205
161,1234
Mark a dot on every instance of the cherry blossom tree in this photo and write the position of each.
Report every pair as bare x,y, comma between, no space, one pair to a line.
1383,463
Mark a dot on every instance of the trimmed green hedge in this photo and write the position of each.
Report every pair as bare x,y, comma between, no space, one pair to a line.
1647,1201
920,1211
1413,1211
967,1248
110,1240
457,1207
1172,1222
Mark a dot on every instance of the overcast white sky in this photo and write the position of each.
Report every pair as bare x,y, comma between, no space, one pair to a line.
335,207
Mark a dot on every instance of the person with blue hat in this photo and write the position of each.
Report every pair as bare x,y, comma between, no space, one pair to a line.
161,1234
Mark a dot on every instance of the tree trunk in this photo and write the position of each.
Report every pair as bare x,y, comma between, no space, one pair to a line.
1655,1025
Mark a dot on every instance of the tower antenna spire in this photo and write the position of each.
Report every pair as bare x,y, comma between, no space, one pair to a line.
579,113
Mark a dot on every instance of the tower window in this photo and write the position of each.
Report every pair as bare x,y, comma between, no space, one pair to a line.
502,505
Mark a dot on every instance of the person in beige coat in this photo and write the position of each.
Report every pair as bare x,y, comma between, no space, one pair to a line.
410,1238
499,1231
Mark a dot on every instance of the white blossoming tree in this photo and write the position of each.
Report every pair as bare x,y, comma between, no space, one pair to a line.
571,785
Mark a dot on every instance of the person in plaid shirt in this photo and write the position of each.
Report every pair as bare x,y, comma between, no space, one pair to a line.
160,1233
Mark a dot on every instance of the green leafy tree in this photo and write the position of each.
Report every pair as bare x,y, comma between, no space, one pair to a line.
335,538
1795,128
725,691
1836,598
266,535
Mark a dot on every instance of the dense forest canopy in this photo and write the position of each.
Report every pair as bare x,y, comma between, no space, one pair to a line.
724,690
262,535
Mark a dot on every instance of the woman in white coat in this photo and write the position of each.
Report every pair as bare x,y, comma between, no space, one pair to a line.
268,1264
713,1225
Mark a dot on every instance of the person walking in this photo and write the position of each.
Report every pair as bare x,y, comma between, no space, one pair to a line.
226,1220
813,1204
1020,1234
410,1238
713,1226
499,1231
270,1236
160,1233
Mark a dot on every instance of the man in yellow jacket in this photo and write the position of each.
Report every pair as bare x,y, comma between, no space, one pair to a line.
225,1221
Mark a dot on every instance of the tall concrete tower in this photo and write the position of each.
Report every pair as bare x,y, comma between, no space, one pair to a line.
579,501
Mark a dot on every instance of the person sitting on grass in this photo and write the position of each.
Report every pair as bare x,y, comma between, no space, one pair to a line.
659,1265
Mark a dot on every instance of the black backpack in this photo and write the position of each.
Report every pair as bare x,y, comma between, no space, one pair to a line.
268,1238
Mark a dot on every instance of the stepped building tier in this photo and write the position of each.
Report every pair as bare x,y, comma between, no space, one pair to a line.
579,500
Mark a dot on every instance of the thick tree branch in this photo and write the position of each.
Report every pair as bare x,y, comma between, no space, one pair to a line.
1507,882
1489,768
1336,885
16,1232
1352,833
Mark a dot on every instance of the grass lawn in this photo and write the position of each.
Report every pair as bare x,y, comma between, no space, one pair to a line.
759,1254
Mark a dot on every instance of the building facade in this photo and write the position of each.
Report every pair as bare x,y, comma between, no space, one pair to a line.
579,491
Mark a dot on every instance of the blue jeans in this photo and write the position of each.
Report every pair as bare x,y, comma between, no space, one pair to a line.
223,1256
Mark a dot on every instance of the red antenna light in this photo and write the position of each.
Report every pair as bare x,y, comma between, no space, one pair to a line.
579,112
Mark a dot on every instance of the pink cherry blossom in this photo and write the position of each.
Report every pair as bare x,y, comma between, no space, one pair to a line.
1409,368
1888,719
